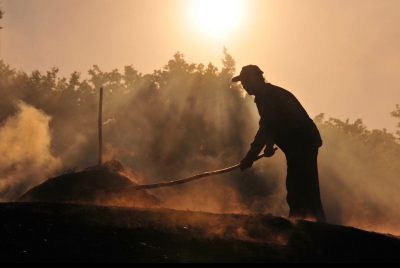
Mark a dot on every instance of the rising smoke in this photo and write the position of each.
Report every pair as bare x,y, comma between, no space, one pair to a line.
25,158
360,177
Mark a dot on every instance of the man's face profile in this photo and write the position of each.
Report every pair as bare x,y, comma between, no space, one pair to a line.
248,86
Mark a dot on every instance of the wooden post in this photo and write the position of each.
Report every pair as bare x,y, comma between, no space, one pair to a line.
101,127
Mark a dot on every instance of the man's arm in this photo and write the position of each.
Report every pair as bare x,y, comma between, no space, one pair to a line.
262,138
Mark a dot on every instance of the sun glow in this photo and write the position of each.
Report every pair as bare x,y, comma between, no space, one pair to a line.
217,18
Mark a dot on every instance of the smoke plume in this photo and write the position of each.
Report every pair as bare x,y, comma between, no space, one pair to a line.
25,158
360,177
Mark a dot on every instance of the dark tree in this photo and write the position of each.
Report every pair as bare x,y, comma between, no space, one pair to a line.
396,114
1,16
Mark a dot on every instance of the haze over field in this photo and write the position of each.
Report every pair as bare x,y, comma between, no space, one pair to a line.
338,57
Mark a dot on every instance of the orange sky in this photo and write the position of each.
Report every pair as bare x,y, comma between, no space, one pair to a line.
341,57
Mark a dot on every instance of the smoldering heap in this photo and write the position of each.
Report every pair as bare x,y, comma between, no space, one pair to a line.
103,184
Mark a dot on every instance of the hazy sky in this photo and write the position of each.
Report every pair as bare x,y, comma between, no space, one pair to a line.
341,57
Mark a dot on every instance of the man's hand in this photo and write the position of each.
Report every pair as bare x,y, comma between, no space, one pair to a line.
269,151
246,163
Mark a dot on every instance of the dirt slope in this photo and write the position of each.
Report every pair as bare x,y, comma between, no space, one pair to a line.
67,232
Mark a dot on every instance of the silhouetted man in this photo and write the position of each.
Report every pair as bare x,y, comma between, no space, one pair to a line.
284,122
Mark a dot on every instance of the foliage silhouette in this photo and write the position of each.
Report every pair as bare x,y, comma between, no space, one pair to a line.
186,118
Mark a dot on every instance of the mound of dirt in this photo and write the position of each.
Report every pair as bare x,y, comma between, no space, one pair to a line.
102,185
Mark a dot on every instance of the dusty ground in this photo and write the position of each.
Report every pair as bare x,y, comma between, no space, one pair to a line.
43,232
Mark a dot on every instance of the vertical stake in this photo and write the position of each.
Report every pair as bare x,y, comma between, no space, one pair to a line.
101,127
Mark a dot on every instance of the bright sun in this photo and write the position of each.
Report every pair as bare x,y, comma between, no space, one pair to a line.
217,18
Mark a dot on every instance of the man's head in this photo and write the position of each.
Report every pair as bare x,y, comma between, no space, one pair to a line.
251,78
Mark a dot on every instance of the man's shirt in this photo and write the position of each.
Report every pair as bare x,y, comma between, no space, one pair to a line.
283,121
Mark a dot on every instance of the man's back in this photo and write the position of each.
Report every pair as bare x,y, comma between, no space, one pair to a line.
285,119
